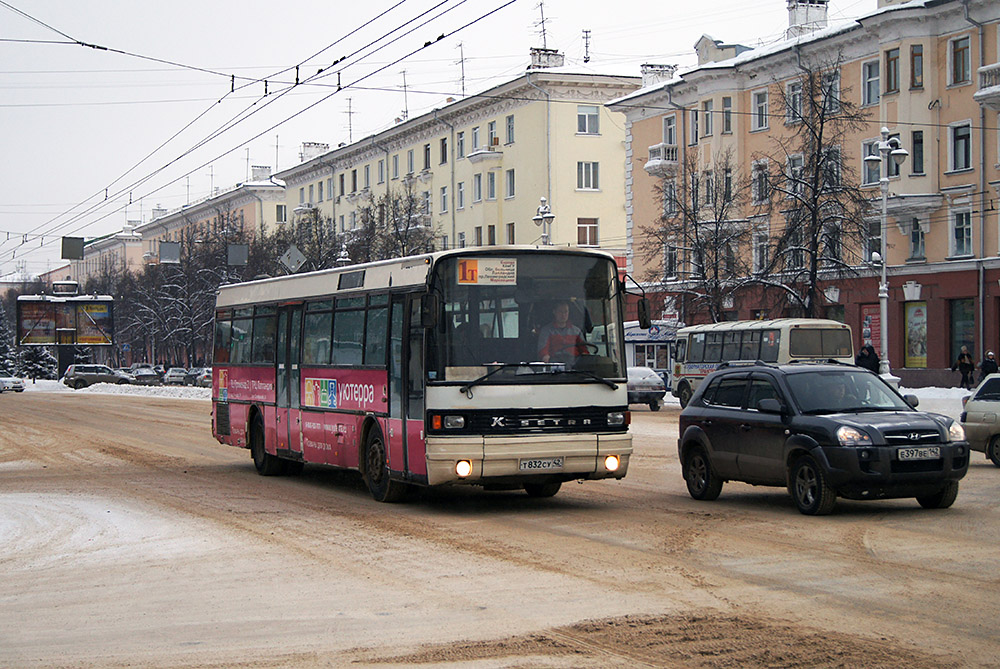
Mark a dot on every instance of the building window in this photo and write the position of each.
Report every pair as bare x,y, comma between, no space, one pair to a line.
508,187
961,234
491,235
343,226
793,102
510,129
368,176
460,144
760,240
917,66
460,193
395,166
587,120
409,162
319,192
870,83
281,213
444,150
491,134
444,199
759,118
727,115
961,71
758,176
477,187
354,181
796,257
870,171
795,173
727,185
477,235
694,126
874,238
587,176
892,71
916,240
302,195
427,156
831,92
425,202
354,220
491,185
695,199
917,152
670,130
961,147
475,138
831,168
669,261
709,188
381,171
669,198
510,233
586,232
461,240
706,110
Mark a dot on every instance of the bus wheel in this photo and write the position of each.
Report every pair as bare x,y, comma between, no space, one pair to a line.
376,472
542,489
266,464
684,395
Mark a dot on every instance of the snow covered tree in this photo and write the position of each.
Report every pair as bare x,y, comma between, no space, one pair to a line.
36,362
8,354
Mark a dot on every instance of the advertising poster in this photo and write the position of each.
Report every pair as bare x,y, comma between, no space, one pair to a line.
916,335
94,323
871,325
36,323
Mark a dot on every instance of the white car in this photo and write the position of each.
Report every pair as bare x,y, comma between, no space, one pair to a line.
11,383
645,386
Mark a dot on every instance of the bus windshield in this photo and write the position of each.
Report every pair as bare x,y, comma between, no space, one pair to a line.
525,317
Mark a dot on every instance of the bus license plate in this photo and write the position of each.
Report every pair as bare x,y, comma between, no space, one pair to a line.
536,464
919,453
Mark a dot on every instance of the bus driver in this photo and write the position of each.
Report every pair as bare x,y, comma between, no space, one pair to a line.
560,340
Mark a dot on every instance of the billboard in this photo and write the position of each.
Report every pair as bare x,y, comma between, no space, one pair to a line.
43,320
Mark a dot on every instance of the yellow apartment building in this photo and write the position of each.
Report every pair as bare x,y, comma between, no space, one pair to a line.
479,167
928,72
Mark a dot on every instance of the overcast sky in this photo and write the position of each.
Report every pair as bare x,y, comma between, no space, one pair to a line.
175,105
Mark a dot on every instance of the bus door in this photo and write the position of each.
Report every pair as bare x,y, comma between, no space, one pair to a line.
289,419
406,389
397,387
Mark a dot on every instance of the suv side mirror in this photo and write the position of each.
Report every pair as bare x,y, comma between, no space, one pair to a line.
912,400
642,306
770,405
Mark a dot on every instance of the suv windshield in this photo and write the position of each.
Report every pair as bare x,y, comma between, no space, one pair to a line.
843,391
527,316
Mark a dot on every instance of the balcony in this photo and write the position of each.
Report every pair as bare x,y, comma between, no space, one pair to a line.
662,160
487,153
988,94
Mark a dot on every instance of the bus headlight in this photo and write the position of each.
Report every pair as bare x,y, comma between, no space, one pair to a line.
611,463
616,418
447,422
463,468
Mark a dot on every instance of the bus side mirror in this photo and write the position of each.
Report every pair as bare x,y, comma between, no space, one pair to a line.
643,308
429,308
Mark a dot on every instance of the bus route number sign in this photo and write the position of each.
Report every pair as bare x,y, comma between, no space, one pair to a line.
487,272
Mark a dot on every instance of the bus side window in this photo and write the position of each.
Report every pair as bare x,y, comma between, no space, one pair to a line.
713,347
731,345
697,347
750,346
769,344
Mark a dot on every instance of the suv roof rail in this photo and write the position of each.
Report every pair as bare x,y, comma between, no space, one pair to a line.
817,361
745,363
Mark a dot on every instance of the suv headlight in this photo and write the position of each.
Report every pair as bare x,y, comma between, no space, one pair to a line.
956,432
849,436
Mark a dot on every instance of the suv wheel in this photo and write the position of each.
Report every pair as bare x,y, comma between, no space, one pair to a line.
993,450
702,481
79,383
941,499
809,488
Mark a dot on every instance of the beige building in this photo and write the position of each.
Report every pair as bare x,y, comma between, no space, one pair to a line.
480,166
927,71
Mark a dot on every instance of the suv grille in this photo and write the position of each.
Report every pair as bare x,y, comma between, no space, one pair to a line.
911,437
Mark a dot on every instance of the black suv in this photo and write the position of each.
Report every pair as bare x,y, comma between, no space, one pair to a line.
822,430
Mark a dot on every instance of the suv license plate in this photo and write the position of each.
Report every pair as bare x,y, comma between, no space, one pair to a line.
920,453
536,464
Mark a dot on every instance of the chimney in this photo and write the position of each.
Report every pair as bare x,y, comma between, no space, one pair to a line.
805,16
158,211
311,150
544,58
656,74
260,172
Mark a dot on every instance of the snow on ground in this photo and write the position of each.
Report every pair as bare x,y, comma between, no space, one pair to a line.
181,392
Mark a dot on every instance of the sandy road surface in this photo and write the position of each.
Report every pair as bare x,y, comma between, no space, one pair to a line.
129,537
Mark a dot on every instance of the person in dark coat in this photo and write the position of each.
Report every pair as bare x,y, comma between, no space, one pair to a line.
867,358
987,366
965,365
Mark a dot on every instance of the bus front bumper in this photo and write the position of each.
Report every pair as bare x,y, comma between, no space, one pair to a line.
527,458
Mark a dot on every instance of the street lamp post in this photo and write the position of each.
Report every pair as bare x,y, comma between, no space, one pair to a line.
888,147
544,218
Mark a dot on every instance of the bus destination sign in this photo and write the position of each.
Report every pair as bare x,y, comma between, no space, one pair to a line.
487,272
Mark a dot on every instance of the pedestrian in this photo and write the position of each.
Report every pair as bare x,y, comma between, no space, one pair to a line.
867,358
987,366
964,365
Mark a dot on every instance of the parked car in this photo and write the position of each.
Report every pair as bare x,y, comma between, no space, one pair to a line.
821,430
11,383
145,376
176,376
979,418
203,377
81,376
127,373
645,386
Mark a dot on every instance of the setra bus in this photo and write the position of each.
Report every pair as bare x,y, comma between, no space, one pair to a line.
700,349
502,367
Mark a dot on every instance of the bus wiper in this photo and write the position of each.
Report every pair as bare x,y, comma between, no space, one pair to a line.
589,375
499,368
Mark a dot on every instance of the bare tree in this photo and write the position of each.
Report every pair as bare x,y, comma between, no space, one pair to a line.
393,225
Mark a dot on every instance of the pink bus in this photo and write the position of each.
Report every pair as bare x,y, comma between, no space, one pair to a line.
502,367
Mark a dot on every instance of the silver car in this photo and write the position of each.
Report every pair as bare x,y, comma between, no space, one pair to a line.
981,418
81,376
11,383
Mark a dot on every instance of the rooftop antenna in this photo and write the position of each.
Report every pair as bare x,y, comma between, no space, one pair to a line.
461,61
350,126
247,178
541,24
275,153
586,46
406,105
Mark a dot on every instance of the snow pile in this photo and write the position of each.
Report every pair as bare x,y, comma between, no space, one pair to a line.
180,392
